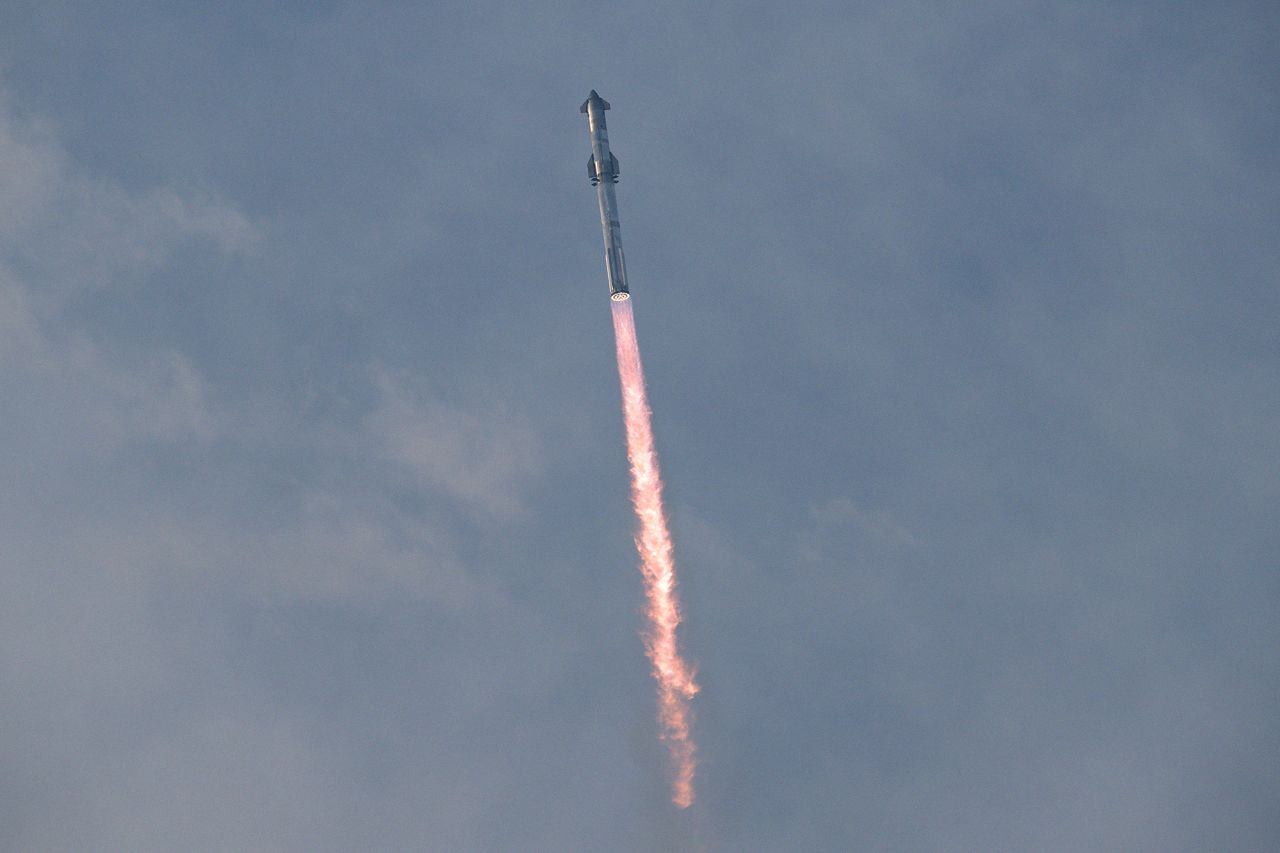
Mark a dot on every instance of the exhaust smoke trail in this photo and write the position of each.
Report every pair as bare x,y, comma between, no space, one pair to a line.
676,686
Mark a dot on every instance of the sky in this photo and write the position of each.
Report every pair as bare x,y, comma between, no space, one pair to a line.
960,323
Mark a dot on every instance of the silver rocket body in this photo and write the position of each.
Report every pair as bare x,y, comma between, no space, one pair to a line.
603,171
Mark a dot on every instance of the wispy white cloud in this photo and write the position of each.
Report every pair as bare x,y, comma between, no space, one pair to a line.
67,230
62,231
341,553
75,231
481,454
137,534
879,523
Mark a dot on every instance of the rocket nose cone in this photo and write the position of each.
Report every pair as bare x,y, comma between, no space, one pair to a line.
595,98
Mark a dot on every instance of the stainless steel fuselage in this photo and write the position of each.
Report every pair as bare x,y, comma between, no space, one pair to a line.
603,171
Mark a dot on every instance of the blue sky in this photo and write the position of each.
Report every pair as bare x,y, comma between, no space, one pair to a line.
960,324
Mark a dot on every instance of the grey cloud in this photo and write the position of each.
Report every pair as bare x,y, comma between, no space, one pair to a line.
114,602
960,331
481,455
338,554
75,231
876,522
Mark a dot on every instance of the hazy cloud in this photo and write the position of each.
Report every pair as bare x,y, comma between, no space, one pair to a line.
960,327
481,456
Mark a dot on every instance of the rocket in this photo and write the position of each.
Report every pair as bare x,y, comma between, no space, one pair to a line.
602,168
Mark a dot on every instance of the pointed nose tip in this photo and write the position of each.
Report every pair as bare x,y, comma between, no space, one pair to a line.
594,98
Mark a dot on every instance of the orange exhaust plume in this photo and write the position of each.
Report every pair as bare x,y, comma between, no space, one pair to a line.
675,679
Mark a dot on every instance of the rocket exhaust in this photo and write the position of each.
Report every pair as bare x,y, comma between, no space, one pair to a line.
675,677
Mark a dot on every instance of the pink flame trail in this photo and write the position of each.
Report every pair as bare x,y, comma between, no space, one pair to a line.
674,676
